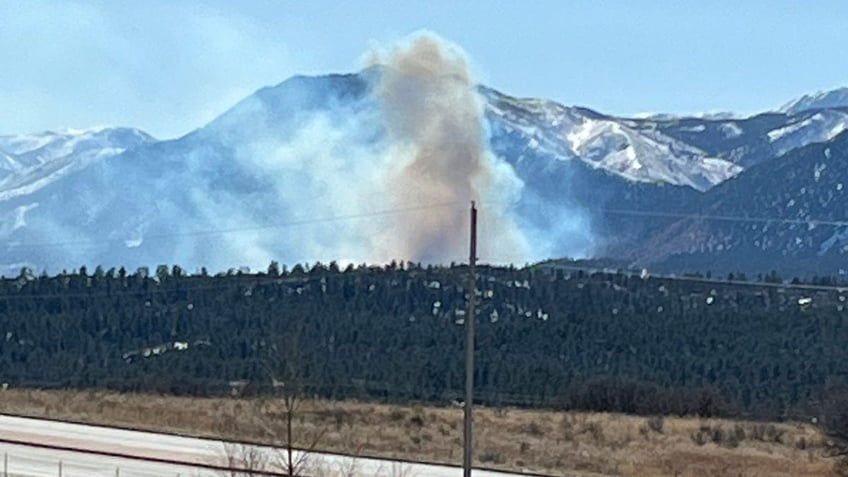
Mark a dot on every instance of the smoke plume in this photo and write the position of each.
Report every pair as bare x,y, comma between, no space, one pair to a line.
434,119
318,156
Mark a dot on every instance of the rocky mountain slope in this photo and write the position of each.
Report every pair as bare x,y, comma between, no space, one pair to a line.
789,215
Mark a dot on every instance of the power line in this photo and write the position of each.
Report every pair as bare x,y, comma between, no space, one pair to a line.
421,208
294,223
258,280
724,218
699,215
690,278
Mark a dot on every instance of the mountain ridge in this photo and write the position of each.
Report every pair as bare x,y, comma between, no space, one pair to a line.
787,215
118,186
32,161
824,99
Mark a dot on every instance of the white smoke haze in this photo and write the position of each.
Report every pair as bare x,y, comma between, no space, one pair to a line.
432,156
398,164
324,171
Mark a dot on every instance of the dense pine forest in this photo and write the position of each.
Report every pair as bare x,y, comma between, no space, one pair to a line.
546,336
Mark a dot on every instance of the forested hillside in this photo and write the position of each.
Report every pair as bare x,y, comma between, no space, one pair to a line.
546,336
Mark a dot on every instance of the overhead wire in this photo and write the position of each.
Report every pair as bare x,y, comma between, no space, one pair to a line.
247,228
706,216
629,273
725,218
258,279
421,208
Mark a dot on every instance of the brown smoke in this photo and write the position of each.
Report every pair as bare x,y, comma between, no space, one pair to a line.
435,114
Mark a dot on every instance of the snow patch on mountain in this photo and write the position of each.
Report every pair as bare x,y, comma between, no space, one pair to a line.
16,219
710,115
8,164
839,236
731,130
819,127
32,161
21,143
607,143
837,98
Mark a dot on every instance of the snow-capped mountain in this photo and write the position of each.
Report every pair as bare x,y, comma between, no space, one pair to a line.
225,194
30,162
836,98
698,152
610,144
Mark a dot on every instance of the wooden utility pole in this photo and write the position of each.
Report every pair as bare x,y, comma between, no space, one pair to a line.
469,345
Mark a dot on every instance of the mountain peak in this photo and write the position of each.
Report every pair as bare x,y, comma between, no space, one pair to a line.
835,98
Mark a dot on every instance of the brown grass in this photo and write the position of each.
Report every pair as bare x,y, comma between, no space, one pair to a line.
511,439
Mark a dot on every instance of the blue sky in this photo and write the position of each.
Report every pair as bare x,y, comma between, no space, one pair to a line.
171,66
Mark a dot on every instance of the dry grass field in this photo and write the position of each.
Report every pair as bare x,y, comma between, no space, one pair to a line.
554,443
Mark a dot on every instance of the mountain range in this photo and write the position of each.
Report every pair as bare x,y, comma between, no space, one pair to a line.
719,193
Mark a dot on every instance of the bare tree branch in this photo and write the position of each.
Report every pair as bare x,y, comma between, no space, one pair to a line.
396,469
286,366
244,459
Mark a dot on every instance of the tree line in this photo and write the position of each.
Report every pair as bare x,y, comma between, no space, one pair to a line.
545,336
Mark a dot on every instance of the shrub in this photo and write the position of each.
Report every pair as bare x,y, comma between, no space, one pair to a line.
718,435
656,424
700,437
739,432
417,420
596,431
397,414
489,456
767,433
534,429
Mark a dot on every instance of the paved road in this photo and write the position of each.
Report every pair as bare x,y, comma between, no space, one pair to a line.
91,442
